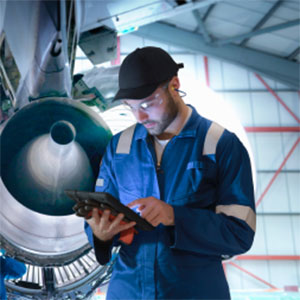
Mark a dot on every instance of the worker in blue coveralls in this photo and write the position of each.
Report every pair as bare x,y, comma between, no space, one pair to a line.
186,175
9,269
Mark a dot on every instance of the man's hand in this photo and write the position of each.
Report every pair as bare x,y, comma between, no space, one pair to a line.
103,228
154,211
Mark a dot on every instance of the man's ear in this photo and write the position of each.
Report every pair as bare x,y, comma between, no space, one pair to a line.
174,83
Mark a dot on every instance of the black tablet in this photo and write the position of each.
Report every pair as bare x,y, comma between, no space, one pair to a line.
107,201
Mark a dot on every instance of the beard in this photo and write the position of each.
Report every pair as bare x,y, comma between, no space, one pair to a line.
168,117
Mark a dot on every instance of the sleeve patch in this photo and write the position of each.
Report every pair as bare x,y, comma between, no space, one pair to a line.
100,182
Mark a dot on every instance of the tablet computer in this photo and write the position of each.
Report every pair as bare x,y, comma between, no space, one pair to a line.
107,201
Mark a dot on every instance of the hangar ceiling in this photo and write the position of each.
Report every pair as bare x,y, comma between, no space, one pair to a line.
262,36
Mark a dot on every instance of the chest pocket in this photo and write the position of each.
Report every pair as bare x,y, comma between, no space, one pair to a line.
128,179
197,184
200,171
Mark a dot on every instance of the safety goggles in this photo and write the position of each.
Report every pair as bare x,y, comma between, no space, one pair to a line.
146,106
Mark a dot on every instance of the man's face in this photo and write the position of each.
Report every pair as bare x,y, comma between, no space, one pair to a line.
155,112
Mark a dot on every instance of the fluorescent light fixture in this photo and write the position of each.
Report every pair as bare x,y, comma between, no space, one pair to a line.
127,30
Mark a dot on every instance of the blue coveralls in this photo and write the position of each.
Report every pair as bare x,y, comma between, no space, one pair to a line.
213,200
9,269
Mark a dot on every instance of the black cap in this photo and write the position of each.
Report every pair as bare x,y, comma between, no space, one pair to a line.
143,70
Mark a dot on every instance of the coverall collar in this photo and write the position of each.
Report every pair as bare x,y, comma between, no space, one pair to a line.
189,130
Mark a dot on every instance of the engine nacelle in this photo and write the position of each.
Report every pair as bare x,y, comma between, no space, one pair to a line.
48,146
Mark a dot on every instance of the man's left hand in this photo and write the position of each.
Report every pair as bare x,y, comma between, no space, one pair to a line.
154,211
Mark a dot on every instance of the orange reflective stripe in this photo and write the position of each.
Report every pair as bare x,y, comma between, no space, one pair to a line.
242,212
212,138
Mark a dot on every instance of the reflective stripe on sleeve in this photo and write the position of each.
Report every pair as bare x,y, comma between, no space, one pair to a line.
212,138
242,212
100,182
125,139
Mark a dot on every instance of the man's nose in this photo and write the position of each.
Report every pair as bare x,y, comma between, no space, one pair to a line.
141,116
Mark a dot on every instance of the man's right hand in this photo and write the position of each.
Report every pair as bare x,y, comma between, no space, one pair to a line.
104,228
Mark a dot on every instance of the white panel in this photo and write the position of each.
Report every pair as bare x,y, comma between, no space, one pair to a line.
241,103
148,42
122,57
262,182
215,74
82,65
220,28
293,103
259,243
277,273
176,49
283,273
235,77
276,199
265,110
200,69
233,276
129,42
294,5
255,83
273,44
280,85
284,15
188,76
246,281
279,235
269,149
185,21
259,269
289,140
167,47
294,191
252,140
234,14
260,7
296,225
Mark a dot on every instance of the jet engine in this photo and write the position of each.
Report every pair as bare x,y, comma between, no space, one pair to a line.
48,146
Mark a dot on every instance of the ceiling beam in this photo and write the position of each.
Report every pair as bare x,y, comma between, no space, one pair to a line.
264,19
277,68
209,10
258,32
294,54
201,27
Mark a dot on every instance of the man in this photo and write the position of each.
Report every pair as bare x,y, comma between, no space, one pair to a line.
187,176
